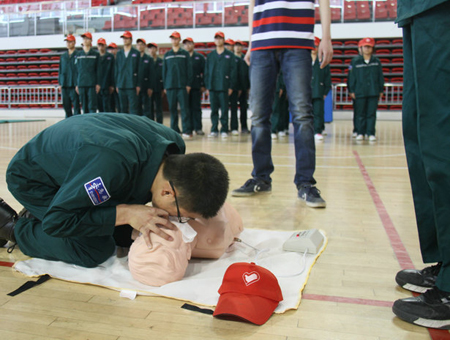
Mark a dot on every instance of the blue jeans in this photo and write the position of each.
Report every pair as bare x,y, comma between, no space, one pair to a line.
297,71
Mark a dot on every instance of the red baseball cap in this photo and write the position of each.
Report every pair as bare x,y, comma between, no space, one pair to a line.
368,42
188,39
239,42
229,42
127,34
316,41
70,37
219,34
101,41
87,35
175,34
249,292
142,41
152,44
112,45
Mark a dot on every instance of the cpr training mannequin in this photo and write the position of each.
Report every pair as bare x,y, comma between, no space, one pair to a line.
167,261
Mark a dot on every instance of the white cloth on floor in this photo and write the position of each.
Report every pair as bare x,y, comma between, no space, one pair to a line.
203,276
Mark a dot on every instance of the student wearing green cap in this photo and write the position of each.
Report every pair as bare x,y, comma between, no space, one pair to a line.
67,78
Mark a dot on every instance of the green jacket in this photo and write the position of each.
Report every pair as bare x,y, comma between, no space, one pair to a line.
198,67
221,71
145,75
243,74
321,80
406,9
67,70
365,80
106,70
127,69
157,71
87,68
93,163
177,70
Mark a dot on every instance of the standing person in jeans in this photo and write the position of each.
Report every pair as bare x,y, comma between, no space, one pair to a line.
156,112
426,133
285,45
67,78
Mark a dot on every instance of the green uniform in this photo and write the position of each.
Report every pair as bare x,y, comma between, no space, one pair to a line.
366,81
145,82
280,107
106,80
321,85
426,131
195,95
177,74
126,74
156,112
234,125
244,81
72,175
87,69
67,78
220,76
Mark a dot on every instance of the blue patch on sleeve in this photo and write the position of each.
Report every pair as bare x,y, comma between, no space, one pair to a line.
96,191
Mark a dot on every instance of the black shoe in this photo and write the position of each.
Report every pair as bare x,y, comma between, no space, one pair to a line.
8,219
430,309
252,187
418,281
311,195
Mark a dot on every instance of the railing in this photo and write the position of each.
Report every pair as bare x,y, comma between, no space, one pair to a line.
63,17
392,95
14,96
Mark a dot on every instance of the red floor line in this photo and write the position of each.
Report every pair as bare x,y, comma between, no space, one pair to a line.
6,264
341,299
396,243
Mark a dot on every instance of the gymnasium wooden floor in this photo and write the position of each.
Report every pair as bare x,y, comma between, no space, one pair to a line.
369,221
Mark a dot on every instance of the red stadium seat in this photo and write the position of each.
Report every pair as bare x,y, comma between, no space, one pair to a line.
397,51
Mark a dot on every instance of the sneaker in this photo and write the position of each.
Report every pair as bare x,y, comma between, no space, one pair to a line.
235,133
360,137
213,135
187,136
252,187
418,281
224,135
311,195
274,136
430,309
372,139
200,133
282,134
354,135
324,133
318,136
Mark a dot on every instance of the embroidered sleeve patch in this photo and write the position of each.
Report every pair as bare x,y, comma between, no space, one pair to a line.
96,191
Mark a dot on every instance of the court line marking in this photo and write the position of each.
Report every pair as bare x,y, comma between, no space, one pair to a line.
341,299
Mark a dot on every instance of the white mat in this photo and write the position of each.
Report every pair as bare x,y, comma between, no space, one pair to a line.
203,277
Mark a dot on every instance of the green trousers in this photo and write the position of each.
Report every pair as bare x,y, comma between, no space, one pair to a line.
88,98
195,107
219,99
319,115
70,98
243,107
128,101
156,112
104,101
366,115
238,101
175,96
280,113
426,131
143,105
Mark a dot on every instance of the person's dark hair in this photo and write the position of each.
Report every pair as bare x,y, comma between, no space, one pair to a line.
201,182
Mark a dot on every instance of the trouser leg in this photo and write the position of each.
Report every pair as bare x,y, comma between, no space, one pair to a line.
372,105
173,107
182,96
234,125
214,102
224,104
318,108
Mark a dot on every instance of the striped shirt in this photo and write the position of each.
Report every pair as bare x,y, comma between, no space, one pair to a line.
283,24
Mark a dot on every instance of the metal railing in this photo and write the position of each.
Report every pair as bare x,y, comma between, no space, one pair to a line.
392,95
14,96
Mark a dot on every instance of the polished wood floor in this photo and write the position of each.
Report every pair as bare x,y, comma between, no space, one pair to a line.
350,289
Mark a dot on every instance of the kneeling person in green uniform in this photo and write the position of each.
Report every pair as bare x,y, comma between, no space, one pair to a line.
86,177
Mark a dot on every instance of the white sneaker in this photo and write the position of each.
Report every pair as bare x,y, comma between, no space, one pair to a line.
235,133
213,135
282,134
372,138
187,136
360,137
274,136
354,135
224,135
318,136
324,133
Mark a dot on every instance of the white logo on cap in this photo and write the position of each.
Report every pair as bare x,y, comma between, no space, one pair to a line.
250,278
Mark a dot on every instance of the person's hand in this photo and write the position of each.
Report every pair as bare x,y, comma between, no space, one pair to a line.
117,89
381,95
207,92
247,56
239,93
230,91
203,89
149,92
145,219
111,89
97,88
325,52
165,91
353,95
188,89
138,90
324,96
76,90
281,93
